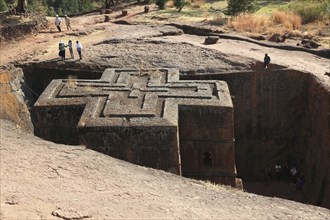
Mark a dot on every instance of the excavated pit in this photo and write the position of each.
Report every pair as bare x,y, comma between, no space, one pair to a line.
279,115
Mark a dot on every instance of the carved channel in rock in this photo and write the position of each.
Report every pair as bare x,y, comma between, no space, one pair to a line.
279,115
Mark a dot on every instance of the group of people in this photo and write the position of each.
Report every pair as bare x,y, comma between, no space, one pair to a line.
287,172
58,22
62,47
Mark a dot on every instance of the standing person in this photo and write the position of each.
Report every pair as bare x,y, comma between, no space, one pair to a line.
286,170
268,175
58,21
70,48
293,172
278,171
68,22
266,61
79,49
61,48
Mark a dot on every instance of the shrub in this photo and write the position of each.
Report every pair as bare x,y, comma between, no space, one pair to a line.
311,11
36,6
3,6
179,4
248,22
237,6
51,12
289,20
161,3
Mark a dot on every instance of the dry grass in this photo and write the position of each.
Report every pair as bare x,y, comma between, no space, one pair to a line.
170,4
197,3
218,20
289,20
249,22
246,22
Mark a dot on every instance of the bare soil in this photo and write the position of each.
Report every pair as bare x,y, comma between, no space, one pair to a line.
43,180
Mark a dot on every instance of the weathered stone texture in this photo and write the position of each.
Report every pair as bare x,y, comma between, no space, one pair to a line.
281,115
148,117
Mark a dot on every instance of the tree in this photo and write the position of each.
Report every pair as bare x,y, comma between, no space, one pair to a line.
21,6
161,4
3,5
108,3
179,4
237,6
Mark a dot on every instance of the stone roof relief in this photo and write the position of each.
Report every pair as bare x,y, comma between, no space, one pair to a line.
127,97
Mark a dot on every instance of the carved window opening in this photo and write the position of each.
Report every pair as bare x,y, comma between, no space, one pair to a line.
207,160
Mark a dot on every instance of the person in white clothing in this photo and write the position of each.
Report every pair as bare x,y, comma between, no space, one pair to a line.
79,49
70,45
68,22
58,21
278,171
293,172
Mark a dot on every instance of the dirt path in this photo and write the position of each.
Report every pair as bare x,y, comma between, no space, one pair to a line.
91,29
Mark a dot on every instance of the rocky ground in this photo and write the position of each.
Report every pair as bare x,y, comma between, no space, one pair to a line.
41,180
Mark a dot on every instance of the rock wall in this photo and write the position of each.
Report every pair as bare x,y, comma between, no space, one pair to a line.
63,121
207,145
12,97
281,115
38,78
147,146
317,147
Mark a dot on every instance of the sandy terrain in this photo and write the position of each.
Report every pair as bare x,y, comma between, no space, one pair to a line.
42,180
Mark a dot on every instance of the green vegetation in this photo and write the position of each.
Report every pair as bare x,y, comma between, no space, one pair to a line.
63,7
161,3
237,6
3,6
179,4
60,7
311,10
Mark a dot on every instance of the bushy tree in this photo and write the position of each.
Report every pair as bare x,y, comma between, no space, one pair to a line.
21,6
36,6
3,5
109,3
161,3
237,6
68,7
51,11
179,4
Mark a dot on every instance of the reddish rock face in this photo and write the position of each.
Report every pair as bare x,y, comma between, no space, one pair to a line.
148,117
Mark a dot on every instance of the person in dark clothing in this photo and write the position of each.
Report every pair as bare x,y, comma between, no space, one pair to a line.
268,175
300,183
286,171
61,47
266,61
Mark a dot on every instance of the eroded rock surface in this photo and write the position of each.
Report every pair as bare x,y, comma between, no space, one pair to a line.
43,176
